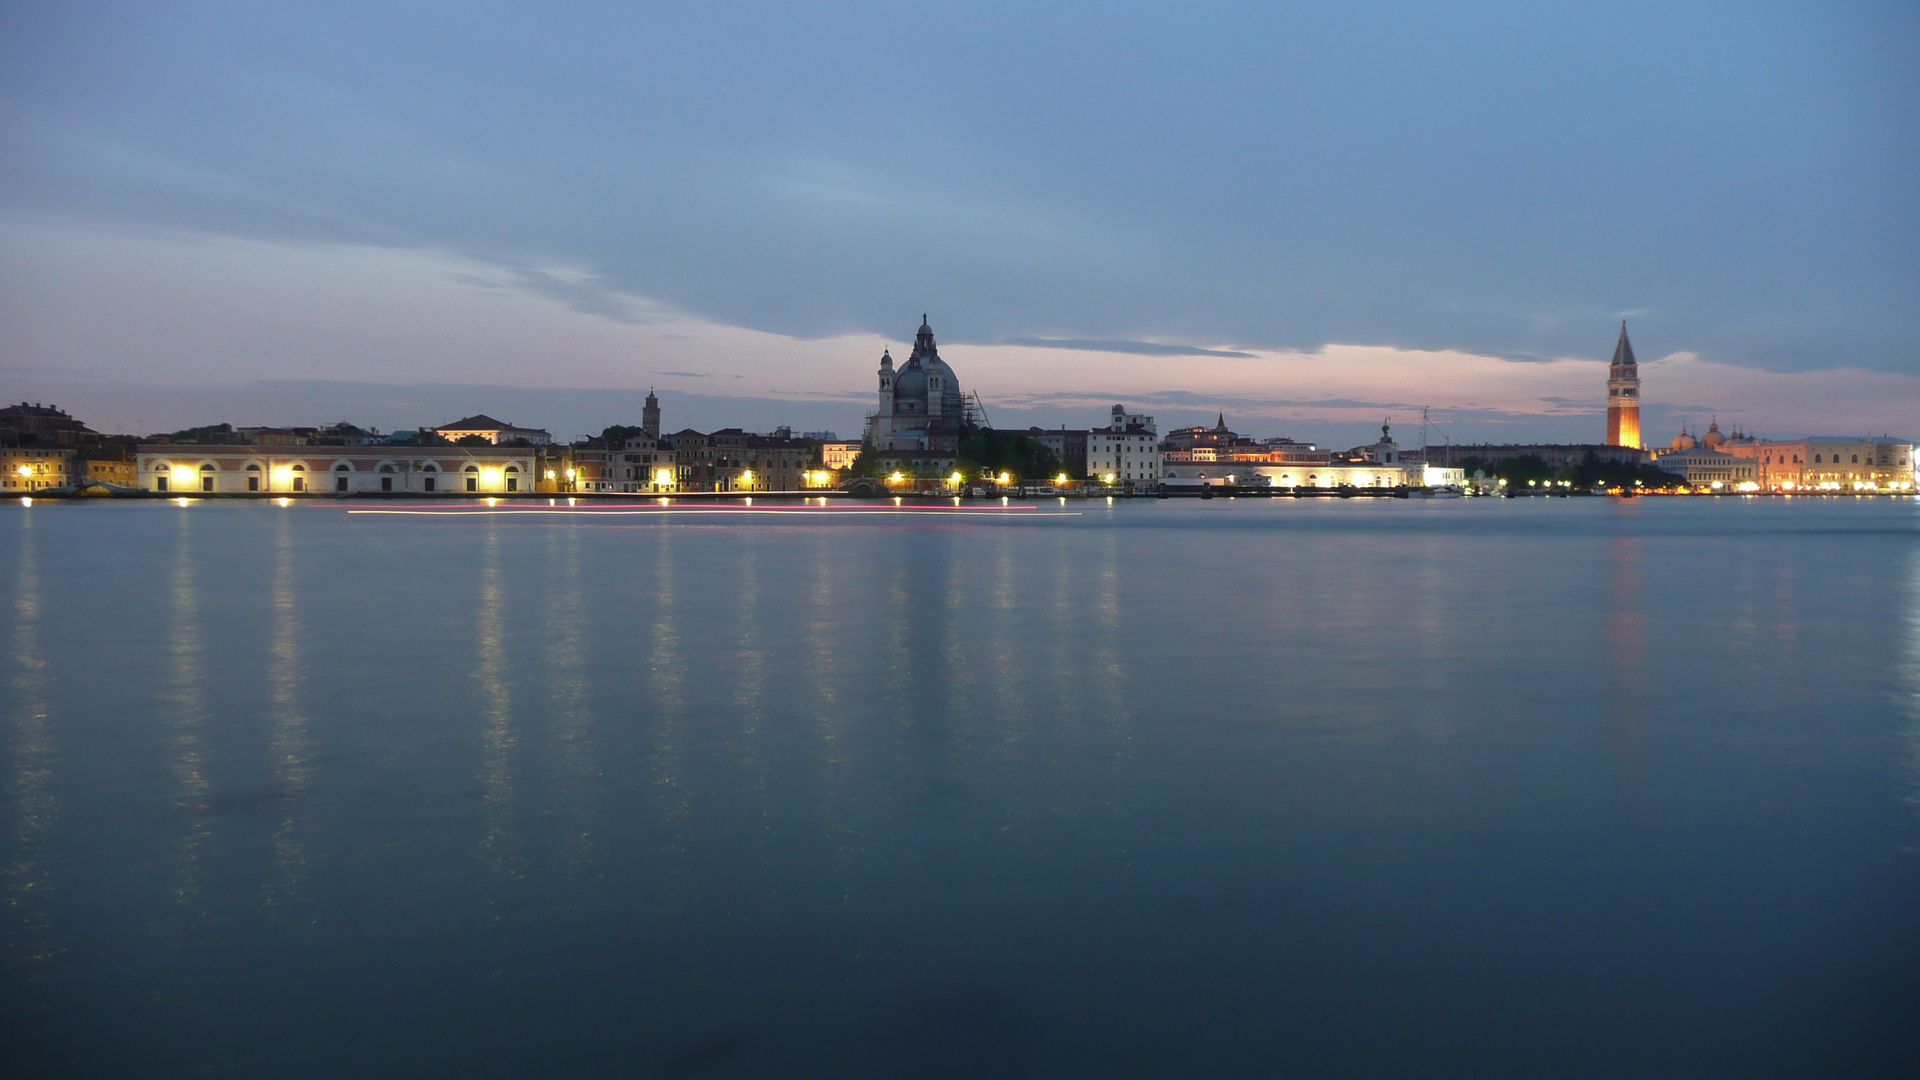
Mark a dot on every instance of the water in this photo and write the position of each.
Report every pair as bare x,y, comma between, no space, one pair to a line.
1477,788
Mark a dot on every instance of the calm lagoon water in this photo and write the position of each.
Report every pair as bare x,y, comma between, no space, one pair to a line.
1483,788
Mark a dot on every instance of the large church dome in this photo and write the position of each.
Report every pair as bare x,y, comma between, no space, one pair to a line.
1683,441
1713,438
920,405
911,383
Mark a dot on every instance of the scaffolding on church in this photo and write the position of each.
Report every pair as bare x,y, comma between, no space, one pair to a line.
976,410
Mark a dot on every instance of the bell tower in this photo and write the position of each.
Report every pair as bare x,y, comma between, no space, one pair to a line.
1623,395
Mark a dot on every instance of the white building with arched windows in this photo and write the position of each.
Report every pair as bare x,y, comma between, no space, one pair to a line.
337,470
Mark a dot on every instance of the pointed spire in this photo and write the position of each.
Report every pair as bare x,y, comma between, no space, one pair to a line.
1623,349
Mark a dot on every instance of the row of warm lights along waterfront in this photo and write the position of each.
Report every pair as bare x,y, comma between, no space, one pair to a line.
924,437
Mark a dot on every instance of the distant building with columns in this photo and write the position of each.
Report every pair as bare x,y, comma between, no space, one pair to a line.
190,469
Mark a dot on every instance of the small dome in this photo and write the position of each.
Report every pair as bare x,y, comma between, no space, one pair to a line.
1713,437
1684,441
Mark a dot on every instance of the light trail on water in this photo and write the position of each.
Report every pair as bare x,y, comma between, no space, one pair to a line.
787,511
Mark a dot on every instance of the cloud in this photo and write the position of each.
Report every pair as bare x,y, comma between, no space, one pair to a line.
1240,174
1137,348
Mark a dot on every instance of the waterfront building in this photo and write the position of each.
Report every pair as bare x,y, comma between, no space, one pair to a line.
1702,466
640,463
1623,394
734,460
1383,452
595,465
1243,471
494,431
920,407
1214,437
836,455
111,462
325,470
1216,456
1125,453
1828,463
26,469
1068,446
586,466
42,425
916,464
1121,418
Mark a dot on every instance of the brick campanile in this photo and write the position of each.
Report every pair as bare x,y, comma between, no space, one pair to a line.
1623,395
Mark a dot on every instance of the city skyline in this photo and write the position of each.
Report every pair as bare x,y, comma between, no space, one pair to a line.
1183,210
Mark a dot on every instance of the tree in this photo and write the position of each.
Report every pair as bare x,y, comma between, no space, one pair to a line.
473,440
986,452
619,433
1517,471
1593,474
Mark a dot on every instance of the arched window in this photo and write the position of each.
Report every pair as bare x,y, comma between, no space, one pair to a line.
429,467
1856,459
1816,459
253,466
513,468
386,469
299,468
343,467
472,468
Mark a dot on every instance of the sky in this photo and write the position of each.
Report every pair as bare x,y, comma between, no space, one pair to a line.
1310,217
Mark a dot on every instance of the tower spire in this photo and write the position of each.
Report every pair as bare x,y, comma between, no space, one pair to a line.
1623,394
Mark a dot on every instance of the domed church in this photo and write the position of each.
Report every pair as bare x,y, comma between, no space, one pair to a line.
920,404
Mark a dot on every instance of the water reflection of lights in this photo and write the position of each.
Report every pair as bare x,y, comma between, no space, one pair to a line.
569,726
186,695
291,746
30,762
497,737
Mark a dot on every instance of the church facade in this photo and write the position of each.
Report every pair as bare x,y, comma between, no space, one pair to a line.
920,407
